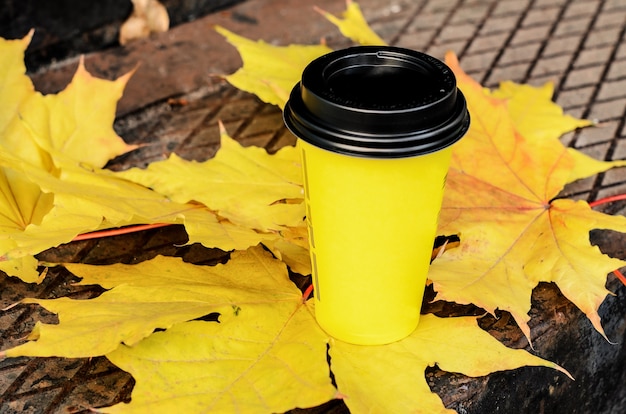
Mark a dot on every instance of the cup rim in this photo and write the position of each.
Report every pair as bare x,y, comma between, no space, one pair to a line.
410,125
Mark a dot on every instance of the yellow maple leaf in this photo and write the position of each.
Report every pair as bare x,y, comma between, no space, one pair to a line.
244,185
270,71
513,233
382,379
18,93
536,117
21,201
353,25
76,124
268,361
43,132
532,111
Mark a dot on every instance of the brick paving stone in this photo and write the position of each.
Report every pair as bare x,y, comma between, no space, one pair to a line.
499,24
203,144
575,97
418,40
461,31
583,77
379,10
440,5
541,16
478,62
184,123
427,20
612,89
552,65
522,53
579,112
619,152
542,80
530,34
616,176
606,37
261,140
516,72
439,50
611,18
510,6
572,26
562,45
488,43
581,8
611,190
580,189
611,5
470,13
237,109
604,111
604,132
549,3
621,52
388,30
286,138
598,151
593,56
617,70
264,124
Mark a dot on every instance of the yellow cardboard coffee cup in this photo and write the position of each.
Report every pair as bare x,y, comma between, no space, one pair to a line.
375,127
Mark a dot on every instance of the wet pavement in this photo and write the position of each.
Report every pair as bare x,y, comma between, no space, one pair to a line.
175,99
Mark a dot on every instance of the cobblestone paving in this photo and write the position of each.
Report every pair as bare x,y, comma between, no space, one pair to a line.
576,44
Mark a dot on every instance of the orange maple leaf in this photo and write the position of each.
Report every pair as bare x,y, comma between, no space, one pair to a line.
515,233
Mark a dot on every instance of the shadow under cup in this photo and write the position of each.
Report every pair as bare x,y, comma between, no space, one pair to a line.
375,127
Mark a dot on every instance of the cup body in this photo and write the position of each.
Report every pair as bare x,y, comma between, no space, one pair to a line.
372,223
375,126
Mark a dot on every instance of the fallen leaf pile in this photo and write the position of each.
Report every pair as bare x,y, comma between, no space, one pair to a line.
54,186
240,337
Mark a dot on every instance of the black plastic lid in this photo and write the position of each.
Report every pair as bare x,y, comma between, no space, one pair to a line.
379,102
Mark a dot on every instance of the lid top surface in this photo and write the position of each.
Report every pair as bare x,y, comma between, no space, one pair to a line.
379,80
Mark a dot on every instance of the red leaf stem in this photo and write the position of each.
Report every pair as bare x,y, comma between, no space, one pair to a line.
620,276
308,291
606,200
117,232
